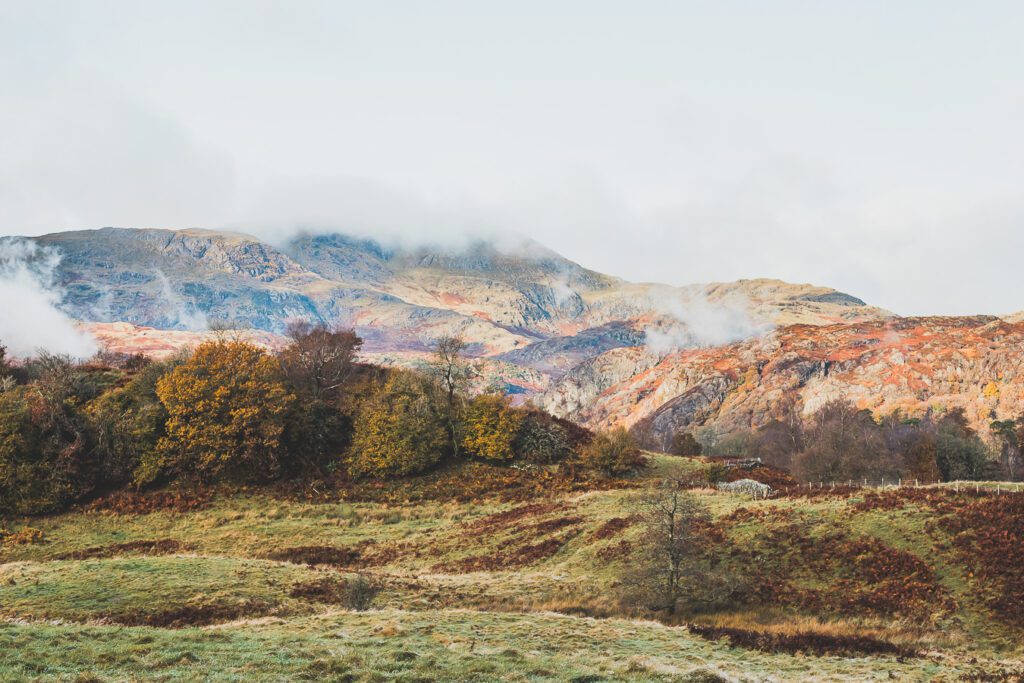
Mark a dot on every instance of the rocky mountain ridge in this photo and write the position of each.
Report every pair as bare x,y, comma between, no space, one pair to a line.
589,346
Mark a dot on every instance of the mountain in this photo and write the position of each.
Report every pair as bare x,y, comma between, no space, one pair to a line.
398,299
906,364
586,345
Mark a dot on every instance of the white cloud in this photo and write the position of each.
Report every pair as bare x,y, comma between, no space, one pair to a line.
671,143
30,317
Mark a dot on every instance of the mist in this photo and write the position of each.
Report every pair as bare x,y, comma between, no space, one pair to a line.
690,320
30,298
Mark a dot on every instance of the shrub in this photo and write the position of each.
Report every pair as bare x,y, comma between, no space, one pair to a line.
612,453
683,443
226,410
129,423
45,440
543,439
359,594
399,431
490,427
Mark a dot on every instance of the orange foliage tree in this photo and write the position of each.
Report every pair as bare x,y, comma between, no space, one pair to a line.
226,410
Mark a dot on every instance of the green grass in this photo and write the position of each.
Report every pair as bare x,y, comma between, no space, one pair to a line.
391,645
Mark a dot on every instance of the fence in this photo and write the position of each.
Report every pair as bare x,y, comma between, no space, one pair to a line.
979,487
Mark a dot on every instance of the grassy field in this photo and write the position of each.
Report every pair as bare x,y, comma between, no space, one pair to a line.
251,587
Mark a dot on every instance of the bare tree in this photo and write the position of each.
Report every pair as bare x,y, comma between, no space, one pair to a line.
452,374
674,539
320,360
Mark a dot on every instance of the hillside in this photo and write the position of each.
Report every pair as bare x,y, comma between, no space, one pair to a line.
521,583
906,364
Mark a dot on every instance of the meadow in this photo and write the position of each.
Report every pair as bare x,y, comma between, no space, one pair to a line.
510,583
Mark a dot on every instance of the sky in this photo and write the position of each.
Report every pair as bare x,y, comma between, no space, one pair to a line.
874,147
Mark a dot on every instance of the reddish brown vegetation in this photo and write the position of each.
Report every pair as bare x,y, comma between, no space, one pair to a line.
615,551
328,590
163,546
135,503
319,555
613,527
989,535
808,642
191,615
861,575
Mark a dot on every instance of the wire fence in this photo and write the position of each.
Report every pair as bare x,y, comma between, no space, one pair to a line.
966,486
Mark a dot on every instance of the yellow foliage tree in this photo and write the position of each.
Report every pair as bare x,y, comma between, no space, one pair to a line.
226,409
490,427
399,430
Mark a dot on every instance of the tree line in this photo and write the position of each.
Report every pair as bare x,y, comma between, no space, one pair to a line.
232,412
840,442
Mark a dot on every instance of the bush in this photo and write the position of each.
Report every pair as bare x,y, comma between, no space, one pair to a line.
544,439
612,453
226,410
399,431
359,594
490,427
129,423
683,443
46,440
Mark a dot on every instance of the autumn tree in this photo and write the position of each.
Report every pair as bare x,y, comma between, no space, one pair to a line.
46,438
544,439
319,360
226,409
1007,434
398,431
683,443
612,453
319,364
490,427
452,375
843,442
129,423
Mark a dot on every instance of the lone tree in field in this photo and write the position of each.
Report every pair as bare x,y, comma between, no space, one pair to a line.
674,539
452,374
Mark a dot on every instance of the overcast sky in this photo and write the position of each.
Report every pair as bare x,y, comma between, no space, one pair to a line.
877,148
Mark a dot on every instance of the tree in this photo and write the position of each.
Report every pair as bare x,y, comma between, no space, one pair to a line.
452,375
544,439
319,361
683,443
226,408
612,453
46,439
1008,435
672,543
844,442
320,365
490,427
129,423
398,430
959,451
